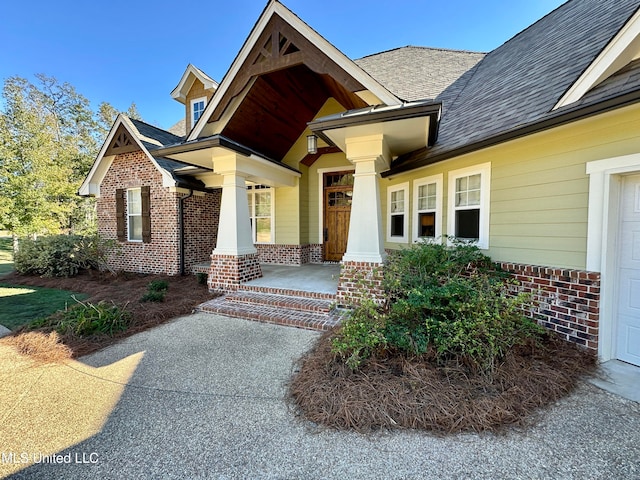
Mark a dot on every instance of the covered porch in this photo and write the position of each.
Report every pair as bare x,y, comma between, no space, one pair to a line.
299,296
310,278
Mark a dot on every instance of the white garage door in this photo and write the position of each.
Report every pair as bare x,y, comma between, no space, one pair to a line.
628,337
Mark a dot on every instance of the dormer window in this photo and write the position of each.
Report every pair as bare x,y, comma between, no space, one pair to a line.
197,109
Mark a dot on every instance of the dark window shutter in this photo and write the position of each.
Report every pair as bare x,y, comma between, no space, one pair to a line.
120,217
145,193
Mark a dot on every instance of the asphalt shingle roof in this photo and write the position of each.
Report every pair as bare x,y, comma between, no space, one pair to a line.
162,136
418,73
623,81
521,81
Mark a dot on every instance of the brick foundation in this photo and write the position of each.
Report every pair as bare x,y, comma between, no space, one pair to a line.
275,254
229,271
359,280
567,301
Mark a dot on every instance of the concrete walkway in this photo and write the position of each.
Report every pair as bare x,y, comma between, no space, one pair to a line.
202,397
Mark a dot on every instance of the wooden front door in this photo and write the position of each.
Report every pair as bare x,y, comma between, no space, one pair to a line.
338,195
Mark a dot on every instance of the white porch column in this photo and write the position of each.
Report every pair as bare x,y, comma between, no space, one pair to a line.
235,259
366,242
234,228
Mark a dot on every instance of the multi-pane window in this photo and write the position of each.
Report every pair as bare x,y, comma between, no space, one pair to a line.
398,201
468,207
134,214
261,213
428,208
469,204
197,109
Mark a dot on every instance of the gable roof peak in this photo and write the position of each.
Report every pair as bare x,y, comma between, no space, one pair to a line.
275,8
622,49
423,48
190,75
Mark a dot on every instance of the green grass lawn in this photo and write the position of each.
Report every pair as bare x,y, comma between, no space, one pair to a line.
21,304
6,255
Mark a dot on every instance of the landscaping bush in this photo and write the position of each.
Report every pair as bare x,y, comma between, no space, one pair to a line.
156,291
361,334
451,302
87,319
62,255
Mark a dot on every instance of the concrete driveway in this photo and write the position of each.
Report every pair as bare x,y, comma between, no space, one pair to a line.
202,397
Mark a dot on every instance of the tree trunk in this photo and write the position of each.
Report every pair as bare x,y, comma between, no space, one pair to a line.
16,244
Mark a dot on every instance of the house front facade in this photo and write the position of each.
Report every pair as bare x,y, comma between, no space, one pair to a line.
302,155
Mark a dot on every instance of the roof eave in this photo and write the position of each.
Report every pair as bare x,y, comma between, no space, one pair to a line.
218,141
432,110
559,118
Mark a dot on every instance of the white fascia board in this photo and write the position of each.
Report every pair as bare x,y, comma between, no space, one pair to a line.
327,48
85,188
180,92
91,184
621,50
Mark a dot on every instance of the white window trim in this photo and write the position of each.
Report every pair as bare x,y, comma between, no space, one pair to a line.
193,102
484,170
252,216
129,215
396,188
438,180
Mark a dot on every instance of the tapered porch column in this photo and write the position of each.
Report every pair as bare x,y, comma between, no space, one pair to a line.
234,228
235,259
361,272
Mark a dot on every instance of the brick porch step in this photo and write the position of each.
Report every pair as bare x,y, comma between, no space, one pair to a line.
300,303
291,310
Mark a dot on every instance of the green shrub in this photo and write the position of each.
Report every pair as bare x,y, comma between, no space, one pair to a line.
156,291
87,319
202,278
360,335
451,301
153,296
62,255
158,286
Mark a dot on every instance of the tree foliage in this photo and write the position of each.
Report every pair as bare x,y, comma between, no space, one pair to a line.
49,138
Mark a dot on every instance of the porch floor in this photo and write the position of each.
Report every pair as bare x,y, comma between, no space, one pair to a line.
318,278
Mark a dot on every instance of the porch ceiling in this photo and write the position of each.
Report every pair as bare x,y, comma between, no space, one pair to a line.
277,108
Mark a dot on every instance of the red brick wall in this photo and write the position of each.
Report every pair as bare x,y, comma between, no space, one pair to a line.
229,271
162,254
276,254
568,301
201,216
360,280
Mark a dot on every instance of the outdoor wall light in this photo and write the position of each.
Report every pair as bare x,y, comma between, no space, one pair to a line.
312,144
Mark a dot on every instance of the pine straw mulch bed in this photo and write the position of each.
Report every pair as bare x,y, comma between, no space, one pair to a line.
124,290
412,393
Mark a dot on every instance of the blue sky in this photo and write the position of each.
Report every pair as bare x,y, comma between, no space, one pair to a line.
124,51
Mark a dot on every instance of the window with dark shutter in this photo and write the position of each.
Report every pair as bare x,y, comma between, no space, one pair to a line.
120,216
145,193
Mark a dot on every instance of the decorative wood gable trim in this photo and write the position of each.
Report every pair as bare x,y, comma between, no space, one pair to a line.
280,46
122,138
122,143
